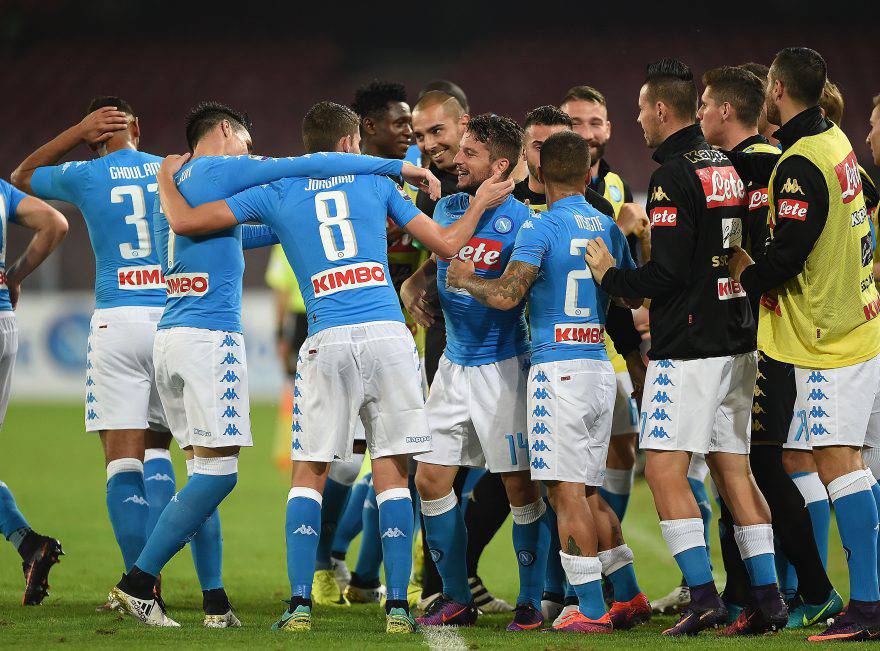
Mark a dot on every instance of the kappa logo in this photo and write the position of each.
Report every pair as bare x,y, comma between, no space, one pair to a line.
791,186
230,376
540,446
540,376
89,364
230,359
228,341
663,398
393,532
525,557
296,409
231,430
305,530
663,380
818,429
658,195
817,394
540,412
540,394
757,409
91,415
230,412
160,476
229,394
136,499
89,381
296,427
658,433
665,363
91,398
538,463
540,429
660,414
296,445
296,392
818,412
298,376
816,377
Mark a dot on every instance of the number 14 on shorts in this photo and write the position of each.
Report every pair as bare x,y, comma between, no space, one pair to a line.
514,440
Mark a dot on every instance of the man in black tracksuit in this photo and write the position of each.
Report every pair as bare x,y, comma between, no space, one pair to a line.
700,381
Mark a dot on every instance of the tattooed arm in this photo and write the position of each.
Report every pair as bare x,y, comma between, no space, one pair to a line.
503,293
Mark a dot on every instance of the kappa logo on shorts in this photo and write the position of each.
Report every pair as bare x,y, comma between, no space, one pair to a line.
538,463
665,363
817,394
525,557
817,412
229,394
91,415
89,364
298,376
296,445
540,429
296,409
201,432
230,359
540,394
663,398
89,381
231,430
418,439
663,380
230,376
296,392
658,433
816,377
230,412
228,341
91,398
296,427
540,446
818,429
540,376
540,412
660,414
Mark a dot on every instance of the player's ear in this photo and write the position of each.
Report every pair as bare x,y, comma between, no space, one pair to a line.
464,119
226,128
368,126
345,144
135,128
500,166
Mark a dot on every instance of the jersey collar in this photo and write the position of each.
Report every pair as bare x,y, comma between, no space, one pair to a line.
808,122
572,200
682,140
757,139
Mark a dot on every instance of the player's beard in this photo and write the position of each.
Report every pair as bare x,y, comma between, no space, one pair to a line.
597,152
773,116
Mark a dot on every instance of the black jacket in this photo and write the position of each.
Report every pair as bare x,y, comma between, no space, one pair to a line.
697,206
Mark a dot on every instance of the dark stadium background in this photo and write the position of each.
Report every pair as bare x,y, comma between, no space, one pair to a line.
274,59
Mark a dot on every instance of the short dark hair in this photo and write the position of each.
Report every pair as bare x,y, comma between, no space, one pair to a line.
207,115
803,73
110,100
583,94
502,135
548,116
450,88
371,100
565,159
672,82
743,90
325,124
757,69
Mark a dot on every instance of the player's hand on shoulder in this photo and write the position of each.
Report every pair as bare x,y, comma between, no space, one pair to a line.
632,219
458,272
423,178
99,126
172,163
598,258
494,191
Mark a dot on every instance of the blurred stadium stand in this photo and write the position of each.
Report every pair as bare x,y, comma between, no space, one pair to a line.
163,58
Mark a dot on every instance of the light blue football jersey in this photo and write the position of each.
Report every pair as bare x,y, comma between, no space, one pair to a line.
566,306
203,274
10,197
333,234
115,194
477,334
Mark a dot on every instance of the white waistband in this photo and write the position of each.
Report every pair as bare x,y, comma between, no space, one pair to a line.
141,313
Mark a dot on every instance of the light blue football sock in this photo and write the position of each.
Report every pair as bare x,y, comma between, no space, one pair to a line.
584,573
617,566
212,480
816,498
127,507
856,512
301,528
11,520
396,527
447,541
686,541
755,543
531,543
159,483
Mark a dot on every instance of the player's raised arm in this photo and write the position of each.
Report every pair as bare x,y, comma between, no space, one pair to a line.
446,241
182,218
93,130
50,227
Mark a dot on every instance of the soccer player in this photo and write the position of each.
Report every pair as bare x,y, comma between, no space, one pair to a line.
571,385
764,127
730,106
38,553
873,138
476,407
703,364
820,255
359,362
199,350
114,193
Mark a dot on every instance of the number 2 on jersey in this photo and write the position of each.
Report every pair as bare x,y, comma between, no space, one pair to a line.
578,248
336,216
137,218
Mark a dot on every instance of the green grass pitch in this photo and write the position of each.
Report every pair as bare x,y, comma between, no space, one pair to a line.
56,473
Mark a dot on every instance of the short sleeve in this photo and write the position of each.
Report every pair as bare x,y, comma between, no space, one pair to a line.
531,243
13,198
255,204
63,182
401,208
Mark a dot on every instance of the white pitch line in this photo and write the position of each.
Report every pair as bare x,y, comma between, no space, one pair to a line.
443,638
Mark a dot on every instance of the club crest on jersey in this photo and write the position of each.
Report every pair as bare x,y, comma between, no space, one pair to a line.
484,253
503,225
722,186
614,192
350,276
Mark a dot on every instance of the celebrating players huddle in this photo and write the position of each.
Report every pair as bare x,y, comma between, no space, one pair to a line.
755,262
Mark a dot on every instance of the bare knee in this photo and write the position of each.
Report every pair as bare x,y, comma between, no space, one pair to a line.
434,481
520,488
123,444
796,461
